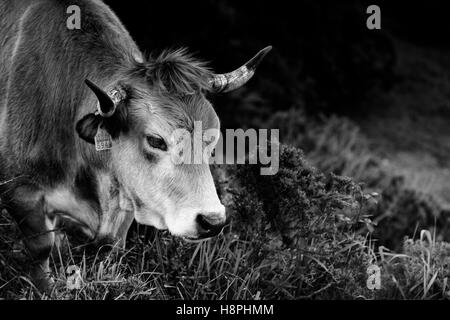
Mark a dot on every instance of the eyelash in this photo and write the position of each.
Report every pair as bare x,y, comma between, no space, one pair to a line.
157,143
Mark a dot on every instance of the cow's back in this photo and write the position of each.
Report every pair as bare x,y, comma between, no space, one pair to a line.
42,70
10,13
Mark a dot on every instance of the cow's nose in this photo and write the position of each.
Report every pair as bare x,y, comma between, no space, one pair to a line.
209,225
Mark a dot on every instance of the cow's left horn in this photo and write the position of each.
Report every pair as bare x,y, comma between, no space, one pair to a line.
107,103
233,80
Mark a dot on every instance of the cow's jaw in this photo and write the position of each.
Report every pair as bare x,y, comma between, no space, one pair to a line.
150,218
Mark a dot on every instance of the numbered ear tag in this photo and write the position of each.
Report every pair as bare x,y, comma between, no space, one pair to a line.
102,140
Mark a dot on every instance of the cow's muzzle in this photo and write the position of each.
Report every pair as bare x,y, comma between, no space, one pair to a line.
209,225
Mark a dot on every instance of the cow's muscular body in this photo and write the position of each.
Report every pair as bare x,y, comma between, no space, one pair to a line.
47,171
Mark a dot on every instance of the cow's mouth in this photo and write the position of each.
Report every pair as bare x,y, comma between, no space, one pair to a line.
194,239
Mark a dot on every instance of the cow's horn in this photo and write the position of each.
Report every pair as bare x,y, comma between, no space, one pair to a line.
107,104
233,80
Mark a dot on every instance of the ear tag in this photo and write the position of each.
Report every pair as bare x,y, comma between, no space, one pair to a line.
103,140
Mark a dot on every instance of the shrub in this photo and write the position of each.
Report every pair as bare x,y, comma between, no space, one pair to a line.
301,225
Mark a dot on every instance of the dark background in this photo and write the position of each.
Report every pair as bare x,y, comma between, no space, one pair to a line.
323,57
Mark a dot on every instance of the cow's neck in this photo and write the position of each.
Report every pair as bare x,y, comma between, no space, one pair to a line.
117,210
96,202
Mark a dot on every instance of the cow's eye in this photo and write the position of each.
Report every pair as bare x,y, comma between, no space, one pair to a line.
157,143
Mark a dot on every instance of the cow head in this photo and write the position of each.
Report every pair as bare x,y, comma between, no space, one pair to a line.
140,114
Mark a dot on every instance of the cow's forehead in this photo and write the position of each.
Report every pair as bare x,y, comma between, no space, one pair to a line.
174,112
198,109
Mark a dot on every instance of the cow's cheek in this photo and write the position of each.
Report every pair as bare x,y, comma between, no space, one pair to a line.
150,218
148,182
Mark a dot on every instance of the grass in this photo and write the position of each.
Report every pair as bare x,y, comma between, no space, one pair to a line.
155,267
420,272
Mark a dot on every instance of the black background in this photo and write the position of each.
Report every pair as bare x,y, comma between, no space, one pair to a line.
324,56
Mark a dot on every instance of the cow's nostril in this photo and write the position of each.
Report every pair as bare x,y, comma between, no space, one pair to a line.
203,222
208,226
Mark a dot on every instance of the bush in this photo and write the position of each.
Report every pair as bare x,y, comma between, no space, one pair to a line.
302,224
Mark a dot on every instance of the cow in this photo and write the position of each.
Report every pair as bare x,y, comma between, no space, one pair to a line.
85,129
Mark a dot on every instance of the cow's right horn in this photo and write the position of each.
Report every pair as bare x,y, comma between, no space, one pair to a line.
107,103
226,82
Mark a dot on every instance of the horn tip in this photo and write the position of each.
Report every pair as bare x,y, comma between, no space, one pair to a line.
89,83
256,60
264,51
267,49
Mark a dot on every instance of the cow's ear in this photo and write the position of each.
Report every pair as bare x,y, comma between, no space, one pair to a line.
87,127
118,122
